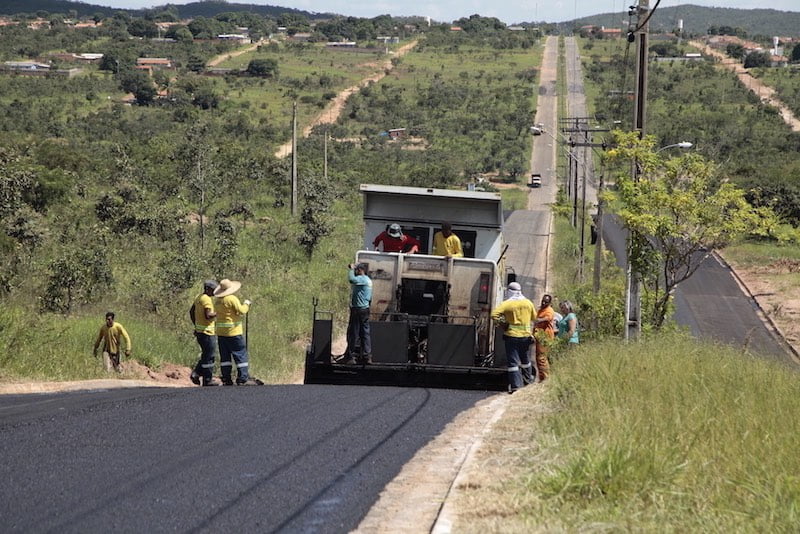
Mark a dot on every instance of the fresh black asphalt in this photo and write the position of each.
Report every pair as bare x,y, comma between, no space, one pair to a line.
236,459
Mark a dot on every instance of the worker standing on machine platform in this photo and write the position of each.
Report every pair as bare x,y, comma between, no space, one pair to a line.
446,243
394,240
359,343
516,314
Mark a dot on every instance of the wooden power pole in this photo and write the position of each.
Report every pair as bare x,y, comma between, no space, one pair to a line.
294,159
633,303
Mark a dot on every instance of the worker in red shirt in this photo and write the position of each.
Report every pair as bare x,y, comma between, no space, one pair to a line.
394,240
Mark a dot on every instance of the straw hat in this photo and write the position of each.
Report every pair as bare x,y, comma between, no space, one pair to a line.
227,287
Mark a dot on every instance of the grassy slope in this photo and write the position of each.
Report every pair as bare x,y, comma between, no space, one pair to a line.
669,435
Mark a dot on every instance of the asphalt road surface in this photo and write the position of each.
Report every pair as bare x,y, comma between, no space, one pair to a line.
256,459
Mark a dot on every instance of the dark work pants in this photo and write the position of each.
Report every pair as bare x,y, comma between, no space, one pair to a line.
358,336
519,361
208,346
233,347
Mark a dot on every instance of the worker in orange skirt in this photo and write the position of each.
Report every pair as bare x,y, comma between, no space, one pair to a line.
543,334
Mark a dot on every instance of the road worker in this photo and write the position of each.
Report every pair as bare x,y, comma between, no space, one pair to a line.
204,318
230,336
544,333
111,333
516,314
359,342
446,243
394,240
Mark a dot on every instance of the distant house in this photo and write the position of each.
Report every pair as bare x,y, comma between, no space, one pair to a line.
89,57
397,133
34,68
153,63
456,29
26,65
235,37
301,36
611,33
779,61
344,44
516,28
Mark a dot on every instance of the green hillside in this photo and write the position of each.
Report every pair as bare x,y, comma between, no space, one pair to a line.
194,9
697,20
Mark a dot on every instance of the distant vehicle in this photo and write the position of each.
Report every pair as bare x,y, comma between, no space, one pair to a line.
537,129
536,180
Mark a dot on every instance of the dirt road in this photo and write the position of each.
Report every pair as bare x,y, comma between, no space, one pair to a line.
230,55
763,91
331,113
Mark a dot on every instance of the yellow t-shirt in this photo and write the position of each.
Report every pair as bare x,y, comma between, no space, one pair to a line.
202,325
518,315
447,246
229,316
110,336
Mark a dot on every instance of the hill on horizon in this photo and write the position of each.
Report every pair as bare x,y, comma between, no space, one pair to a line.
698,19
195,9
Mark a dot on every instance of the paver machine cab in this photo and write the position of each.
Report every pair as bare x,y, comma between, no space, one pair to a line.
430,315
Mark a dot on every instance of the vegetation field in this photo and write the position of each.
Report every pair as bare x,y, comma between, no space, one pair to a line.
459,98
669,435
309,74
786,83
108,206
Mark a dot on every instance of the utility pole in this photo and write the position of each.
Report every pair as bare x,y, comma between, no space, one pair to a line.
633,302
598,253
325,156
294,158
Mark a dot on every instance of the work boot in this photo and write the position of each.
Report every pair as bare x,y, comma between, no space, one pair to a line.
227,381
366,359
350,360
212,382
195,378
249,382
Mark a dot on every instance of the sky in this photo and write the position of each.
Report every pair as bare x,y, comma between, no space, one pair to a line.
508,11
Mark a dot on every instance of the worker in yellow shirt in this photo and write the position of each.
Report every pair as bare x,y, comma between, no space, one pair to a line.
230,313
516,314
111,333
204,318
446,243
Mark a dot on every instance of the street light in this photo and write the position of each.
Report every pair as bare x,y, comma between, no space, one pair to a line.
682,144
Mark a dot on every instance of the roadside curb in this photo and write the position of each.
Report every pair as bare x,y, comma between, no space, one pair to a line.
448,513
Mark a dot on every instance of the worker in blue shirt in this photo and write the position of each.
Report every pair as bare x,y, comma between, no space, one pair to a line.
359,345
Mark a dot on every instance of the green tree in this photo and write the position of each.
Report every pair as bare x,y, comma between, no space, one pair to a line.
266,68
757,59
76,277
315,216
678,211
140,84
795,53
735,50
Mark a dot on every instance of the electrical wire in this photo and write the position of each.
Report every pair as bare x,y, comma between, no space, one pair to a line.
647,19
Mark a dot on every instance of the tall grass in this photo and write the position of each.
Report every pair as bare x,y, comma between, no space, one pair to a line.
668,435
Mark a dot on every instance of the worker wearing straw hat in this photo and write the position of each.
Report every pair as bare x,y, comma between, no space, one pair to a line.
230,333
